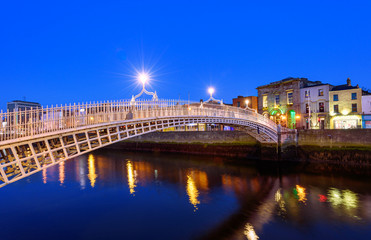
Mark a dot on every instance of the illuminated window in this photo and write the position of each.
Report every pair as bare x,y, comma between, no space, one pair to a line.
320,92
354,96
336,97
277,99
290,98
321,107
354,107
306,108
307,94
336,108
265,101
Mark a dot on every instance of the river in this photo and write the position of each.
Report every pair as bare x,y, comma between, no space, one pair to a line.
111,194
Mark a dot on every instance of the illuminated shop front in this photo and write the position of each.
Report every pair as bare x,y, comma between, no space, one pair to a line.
366,121
278,116
347,122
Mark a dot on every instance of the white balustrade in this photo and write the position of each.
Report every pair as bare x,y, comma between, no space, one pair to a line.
21,124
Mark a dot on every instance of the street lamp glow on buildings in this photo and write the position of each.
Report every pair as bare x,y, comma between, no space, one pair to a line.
247,106
144,78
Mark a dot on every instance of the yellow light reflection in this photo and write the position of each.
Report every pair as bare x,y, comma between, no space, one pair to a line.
350,199
61,173
250,232
192,192
91,168
345,197
45,176
278,195
301,193
131,177
334,197
281,203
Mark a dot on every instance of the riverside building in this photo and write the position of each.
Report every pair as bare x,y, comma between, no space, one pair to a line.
250,102
281,101
315,106
346,106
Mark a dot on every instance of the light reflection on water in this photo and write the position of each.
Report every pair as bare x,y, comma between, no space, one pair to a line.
61,173
192,191
131,177
190,196
92,175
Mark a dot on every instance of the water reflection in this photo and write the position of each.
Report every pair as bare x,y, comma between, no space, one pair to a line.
250,232
92,175
192,191
300,193
236,202
81,172
131,177
45,176
61,173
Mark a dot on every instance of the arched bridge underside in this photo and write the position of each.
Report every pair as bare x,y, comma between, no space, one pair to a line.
37,139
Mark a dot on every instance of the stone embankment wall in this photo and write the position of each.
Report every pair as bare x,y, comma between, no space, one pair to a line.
313,146
335,137
222,143
348,146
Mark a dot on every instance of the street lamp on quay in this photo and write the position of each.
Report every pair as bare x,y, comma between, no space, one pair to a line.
144,78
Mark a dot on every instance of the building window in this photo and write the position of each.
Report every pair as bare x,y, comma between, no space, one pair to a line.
354,107
354,96
307,94
277,99
306,108
265,101
336,97
336,108
321,106
238,104
290,98
320,92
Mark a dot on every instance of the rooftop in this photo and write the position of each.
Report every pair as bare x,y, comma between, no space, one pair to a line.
343,87
285,80
20,101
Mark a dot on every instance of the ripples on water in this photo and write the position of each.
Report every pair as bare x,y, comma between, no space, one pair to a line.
119,195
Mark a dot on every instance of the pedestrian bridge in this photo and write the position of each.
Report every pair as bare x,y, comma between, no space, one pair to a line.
35,139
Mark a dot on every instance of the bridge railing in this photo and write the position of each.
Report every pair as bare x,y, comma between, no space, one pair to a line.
20,124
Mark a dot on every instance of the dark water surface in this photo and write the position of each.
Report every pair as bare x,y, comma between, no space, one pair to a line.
111,194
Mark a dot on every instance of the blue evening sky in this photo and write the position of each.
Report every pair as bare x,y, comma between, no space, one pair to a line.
56,52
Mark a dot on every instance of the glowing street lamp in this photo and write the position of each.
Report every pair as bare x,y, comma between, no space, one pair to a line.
211,91
144,78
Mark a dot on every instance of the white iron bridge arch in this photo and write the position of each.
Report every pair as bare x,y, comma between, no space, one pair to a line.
35,139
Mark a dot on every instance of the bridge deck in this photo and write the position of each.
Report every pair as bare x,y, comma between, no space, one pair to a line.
35,139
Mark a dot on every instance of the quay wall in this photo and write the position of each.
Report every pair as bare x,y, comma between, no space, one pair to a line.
351,146
222,143
340,146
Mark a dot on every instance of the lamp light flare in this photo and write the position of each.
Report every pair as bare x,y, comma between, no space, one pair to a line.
143,78
211,90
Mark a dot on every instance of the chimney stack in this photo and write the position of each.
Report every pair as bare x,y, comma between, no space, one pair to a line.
349,82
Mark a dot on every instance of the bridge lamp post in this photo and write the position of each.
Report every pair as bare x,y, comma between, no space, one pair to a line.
144,78
211,91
